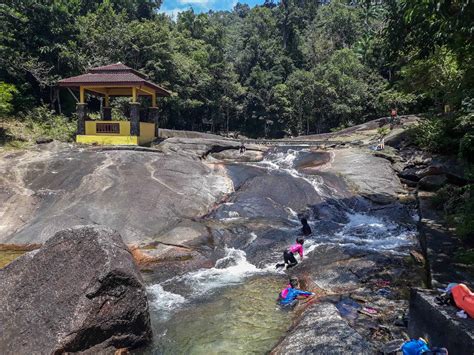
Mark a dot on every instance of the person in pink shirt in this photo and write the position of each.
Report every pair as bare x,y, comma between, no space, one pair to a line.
289,254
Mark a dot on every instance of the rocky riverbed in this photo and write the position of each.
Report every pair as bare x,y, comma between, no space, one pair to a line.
206,225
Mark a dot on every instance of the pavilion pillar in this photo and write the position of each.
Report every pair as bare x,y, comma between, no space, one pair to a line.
81,109
107,113
134,119
153,117
107,110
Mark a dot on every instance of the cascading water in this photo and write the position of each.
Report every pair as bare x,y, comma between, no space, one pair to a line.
230,308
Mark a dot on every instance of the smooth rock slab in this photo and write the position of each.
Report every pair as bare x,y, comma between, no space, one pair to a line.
81,290
323,331
141,194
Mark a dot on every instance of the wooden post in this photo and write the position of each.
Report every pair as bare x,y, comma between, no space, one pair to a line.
107,101
134,94
153,99
81,95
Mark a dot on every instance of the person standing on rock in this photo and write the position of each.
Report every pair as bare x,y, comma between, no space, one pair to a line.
393,115
305,229
289,254
289,295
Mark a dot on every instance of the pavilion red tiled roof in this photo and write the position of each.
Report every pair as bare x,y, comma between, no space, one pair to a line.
112,74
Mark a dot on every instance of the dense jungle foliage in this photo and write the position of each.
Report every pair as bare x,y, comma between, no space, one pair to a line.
286,67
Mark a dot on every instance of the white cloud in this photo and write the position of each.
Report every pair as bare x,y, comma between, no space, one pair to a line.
203,3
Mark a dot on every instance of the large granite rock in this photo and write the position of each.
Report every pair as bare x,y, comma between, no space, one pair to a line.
201,148
432,182
439,324
141,194
371,176
80,292
323,331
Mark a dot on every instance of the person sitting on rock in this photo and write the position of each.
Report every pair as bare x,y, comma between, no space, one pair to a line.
381,144
306,229
289,295
289,254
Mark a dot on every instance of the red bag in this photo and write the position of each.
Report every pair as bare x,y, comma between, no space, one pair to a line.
464,298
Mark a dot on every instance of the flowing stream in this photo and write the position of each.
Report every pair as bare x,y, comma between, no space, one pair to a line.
231,308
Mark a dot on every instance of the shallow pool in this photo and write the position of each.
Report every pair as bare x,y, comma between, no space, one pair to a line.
240,319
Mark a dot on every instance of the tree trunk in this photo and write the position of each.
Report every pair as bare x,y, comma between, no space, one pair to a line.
58,96
227,118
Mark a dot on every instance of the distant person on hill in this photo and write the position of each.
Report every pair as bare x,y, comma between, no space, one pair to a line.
393,113
289,254
394,117
289,295
305,229
242,148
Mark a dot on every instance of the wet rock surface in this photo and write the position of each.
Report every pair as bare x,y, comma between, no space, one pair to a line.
80,292
323,331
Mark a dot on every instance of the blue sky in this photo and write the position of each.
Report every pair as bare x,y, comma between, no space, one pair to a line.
172,7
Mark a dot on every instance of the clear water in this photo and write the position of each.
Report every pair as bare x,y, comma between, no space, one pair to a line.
242,319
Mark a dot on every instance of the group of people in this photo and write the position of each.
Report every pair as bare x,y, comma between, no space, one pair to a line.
289,296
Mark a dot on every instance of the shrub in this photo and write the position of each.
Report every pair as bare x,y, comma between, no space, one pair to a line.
40,122
7,91
44,122
437,134
458,206
383,131
466,147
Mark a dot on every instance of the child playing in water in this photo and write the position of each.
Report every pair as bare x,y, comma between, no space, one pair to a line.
289,295
289,254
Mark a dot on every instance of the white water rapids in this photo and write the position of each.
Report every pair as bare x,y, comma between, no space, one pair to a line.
362,231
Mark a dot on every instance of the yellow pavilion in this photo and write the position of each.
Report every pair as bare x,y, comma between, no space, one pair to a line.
109,81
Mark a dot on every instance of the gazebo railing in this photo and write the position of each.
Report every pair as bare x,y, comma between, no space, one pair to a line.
108,128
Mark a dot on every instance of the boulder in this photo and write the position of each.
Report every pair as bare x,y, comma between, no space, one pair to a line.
323,331
372,177
439,324
80,292
429,171
409,183
432,182
410,174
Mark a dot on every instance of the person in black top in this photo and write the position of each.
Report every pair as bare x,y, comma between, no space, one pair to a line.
305,229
